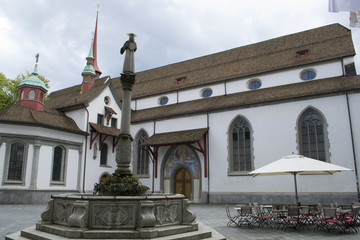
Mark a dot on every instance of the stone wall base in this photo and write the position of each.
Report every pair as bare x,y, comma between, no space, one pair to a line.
284,198
28,196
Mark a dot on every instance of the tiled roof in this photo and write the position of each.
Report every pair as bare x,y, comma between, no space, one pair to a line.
179,137
324,43
53,119
291,92
70,97
105,130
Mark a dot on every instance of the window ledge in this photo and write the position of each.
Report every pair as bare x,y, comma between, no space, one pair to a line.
105,166
142,175
57,183
7,182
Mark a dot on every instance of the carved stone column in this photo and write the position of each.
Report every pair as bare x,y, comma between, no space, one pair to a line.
123,149
34,169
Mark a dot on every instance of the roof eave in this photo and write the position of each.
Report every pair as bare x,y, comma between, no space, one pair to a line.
44,126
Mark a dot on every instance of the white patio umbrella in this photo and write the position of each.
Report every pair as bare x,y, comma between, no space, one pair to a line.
297,164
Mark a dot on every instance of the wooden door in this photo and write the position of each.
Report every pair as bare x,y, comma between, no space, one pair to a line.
183,182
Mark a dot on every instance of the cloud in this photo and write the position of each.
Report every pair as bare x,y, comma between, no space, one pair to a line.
168,31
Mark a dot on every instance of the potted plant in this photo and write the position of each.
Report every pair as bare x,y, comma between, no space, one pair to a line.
120,185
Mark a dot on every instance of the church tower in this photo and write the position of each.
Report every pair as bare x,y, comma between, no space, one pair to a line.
91,71
32,90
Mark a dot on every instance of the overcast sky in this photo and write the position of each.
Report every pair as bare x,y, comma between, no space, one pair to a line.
168,31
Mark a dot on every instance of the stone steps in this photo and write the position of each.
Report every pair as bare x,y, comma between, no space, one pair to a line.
203,232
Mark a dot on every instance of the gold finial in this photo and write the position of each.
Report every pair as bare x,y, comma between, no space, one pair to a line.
98,6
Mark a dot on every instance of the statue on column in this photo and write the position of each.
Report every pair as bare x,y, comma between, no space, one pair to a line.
129,47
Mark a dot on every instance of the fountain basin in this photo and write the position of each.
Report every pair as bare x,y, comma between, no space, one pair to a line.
114,217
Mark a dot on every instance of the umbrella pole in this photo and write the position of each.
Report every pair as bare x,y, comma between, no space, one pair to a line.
296,191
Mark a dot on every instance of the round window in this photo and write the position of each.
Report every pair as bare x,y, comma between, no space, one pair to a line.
206,92
106,100
308,75
164,100
254,84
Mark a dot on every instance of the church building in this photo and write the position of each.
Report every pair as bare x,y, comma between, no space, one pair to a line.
199,127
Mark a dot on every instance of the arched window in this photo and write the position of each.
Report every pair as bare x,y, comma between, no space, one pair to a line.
58,169
103,154
41,97
311,134
16,162
31,95
22,95
142,155
240,146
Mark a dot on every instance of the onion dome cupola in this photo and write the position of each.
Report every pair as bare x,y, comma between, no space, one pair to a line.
32,90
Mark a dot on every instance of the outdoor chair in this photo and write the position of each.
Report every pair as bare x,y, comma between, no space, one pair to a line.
233,219
294,220
310,214
332,223
279,213
245,217
261,217
349,220
321,223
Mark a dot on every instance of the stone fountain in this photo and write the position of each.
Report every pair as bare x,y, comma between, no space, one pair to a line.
147,216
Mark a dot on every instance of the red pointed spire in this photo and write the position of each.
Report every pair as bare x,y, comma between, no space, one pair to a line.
97,69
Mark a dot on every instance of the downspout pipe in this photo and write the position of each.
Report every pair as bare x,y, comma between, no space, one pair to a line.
208,158
353,146
85,152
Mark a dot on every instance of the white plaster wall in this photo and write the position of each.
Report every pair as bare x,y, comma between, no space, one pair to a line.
48,138
271,79
45,170
41,132
274,133
45,164
79,116
93,168
72,169
289,76
193,94
354,99
348,60
97,106
150,102
2,159
183,123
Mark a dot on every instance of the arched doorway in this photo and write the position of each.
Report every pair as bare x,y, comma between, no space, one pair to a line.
182,182
182,172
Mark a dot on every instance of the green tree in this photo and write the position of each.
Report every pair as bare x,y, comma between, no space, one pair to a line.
9,91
